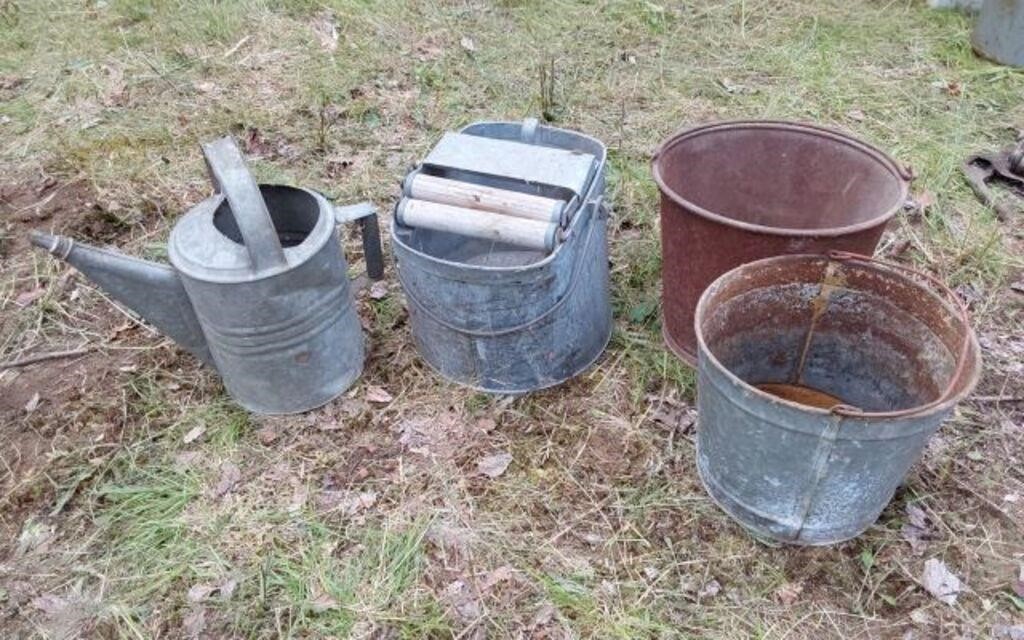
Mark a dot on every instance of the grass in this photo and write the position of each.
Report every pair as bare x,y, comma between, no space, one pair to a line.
335,528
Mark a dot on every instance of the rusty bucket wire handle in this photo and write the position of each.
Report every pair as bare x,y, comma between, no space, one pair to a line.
846,410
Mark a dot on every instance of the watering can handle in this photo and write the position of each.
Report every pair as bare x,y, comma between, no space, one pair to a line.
231,177
366,215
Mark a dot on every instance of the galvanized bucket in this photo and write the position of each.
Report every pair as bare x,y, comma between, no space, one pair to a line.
510,320
733,192
820,380
999,32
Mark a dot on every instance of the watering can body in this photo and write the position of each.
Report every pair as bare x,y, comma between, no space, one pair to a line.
258,287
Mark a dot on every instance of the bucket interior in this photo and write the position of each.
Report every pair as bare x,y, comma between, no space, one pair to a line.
461,249
821,332
294,213
780,176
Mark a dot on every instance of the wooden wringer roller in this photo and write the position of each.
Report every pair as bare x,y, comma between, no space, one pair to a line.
509,192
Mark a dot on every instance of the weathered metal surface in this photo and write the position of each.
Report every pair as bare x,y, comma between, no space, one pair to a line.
999,32
896,354
504,319
1005,167
271,308
733,192
512,160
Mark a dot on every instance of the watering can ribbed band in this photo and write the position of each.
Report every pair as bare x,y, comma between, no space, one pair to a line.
284,335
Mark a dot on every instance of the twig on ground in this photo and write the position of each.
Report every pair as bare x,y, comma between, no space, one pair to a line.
53,355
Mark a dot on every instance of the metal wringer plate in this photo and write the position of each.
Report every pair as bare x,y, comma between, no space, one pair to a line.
500,243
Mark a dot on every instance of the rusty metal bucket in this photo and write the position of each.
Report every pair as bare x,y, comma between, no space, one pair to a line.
820,380
733,192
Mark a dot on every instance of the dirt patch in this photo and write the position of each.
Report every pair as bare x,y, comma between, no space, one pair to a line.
37,200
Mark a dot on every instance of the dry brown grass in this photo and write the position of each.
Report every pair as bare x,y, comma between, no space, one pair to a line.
368,519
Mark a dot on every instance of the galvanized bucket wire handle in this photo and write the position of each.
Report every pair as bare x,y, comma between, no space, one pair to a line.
599,208
846,410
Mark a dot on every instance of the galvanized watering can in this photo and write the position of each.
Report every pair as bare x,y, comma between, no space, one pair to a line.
258,287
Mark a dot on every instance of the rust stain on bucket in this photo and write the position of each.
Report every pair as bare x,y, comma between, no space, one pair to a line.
801,394
734,192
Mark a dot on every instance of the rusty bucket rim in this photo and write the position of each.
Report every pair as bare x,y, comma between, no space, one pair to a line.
902,173
949,399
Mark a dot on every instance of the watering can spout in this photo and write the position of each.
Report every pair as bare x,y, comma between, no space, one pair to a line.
152,290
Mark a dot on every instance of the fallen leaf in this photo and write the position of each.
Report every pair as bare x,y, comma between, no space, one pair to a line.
939,581
347,502
710,589
468,44
193,434
194,623
736,88
673,414
377,394
254,144
1006,632
25,298
323,602
32,403
496,577
916,530
494,465
460,597
34,535
200,592
50,604
378,290
227,589
789,593
267,436
326,30
543,616
856,115
230,475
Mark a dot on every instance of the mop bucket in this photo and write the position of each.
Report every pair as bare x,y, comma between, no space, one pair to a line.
495,316
820,380
734,192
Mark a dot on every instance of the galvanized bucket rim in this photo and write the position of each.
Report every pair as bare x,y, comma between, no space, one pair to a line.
927,409
319,235
904,175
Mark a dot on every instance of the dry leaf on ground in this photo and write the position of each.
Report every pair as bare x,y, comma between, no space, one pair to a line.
710,589
325,28
379,289
494,465
230,475
193,434
789,593
939,581
33,403
379,395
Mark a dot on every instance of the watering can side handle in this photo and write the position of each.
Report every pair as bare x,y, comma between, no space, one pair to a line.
366,214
